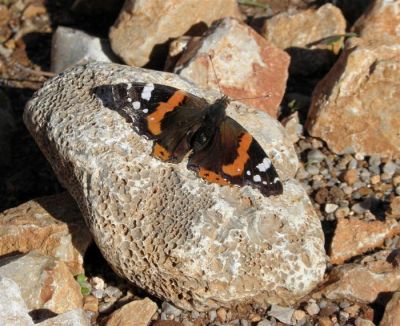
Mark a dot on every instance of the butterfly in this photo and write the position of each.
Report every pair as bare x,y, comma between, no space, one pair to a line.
221,150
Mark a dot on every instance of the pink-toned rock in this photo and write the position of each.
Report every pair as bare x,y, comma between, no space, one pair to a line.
355,107
381,23
50,225
144,24
140,311
392,312
246,65
362,282
45,282
353,237
76,317
302,34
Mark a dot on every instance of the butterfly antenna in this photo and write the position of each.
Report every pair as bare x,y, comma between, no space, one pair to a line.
251,98
215,74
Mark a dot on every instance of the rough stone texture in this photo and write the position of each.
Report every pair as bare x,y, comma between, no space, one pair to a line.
355,107
140,311
381,23
76,317
13,310
150,23
45,283
363,282
301,34
71,46
196,244
245,65
353,237
51,225
392,312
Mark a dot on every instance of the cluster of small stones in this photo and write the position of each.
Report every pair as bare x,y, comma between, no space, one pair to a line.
341,186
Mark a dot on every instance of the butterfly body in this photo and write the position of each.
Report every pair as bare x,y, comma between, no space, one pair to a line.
221,150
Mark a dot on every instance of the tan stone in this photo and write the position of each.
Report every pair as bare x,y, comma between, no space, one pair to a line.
355,107
33,10
76,317
50,225
381,23
245,65
353,237
144,24
45,282
302,34
135,313
324,321
91,303
395,207
350,176
362,282
392,312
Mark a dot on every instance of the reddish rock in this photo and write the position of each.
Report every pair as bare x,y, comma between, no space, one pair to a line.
50,225
395,207
353,237
392,312
144,24
381,23
350,176
139,311
245,65
355,107
302,33
362,282
45,282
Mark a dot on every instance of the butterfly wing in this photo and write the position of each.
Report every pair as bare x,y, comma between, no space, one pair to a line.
233,156
165,114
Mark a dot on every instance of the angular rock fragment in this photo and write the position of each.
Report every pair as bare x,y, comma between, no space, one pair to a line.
45,282
50,225
246,66
196,244
304,35
355,107
144,26
354,237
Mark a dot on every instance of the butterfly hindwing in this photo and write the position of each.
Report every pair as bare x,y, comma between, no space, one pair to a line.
235,157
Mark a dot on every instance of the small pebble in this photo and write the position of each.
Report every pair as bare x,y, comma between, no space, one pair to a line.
330,208
342,212
324,321
350,176
395,206
359,156
347,190
312,308
299,314
186,322
352,164
396,180
212,315
312,169
244,322
97,283
352,310
390,168
375,179
113,292
385,177
169,309
194,314
374,161
363,322
397,190
315,156
221,315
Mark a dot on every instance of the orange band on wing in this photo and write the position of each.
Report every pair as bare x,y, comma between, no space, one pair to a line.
154,119
160,152
211,176
236,168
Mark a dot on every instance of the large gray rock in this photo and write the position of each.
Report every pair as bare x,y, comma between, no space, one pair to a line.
196,244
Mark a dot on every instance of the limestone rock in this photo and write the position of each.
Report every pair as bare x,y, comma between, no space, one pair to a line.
245,65
302,34
354,237
71,46
354,108
140,311
13,310
45,282
50,225
76,317
144,24
380,24
392,311
363,282
192,243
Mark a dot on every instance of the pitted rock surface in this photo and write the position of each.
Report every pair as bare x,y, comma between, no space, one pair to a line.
196,244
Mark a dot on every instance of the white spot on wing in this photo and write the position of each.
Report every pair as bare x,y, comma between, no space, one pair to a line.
257,178
129,99
146,92
264,165
136,105
248,172
145,110
276,180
